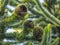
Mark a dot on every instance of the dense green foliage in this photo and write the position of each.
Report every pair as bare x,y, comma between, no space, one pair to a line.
34,22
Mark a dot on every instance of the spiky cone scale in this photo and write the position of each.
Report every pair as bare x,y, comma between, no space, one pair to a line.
21,11
28,26
37,33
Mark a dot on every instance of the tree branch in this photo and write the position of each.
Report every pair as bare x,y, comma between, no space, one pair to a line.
39,13
46,12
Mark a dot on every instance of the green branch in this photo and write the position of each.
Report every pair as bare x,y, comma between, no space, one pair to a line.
8,20
55,42
46,12
46,39
3,6
39,13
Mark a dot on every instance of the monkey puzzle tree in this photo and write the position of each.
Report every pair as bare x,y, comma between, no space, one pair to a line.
33,21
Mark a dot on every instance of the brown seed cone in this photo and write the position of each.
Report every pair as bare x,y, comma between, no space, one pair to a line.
21,10
37,33
28,24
